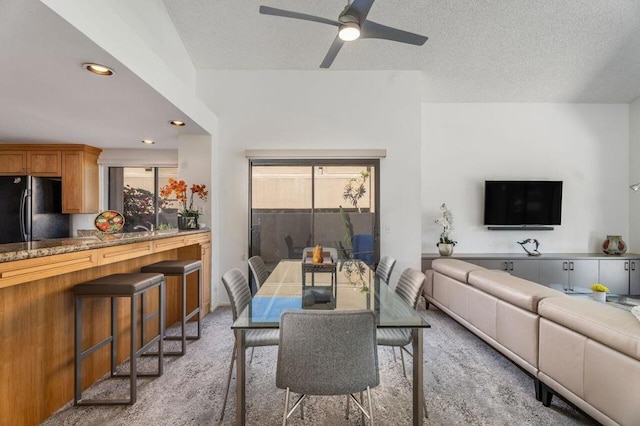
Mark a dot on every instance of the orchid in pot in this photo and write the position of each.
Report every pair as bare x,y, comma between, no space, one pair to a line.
187,214
446,244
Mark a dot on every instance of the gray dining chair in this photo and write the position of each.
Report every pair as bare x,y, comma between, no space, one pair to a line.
328,353
385,267
240,296
258,271
409,288
333,252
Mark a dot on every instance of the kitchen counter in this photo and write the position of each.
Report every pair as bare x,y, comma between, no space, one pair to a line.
20,251
37,310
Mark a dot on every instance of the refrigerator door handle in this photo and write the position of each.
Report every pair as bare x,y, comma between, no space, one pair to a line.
23,215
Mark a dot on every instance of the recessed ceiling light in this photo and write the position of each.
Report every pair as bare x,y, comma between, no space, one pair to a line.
177,123
148,142
98,69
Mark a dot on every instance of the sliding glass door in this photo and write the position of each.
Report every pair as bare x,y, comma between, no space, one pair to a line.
300,203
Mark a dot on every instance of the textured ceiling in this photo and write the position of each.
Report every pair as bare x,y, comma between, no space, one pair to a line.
478,50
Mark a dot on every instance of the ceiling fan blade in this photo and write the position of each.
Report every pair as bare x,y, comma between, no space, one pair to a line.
266,10
371,29
359,9
332,53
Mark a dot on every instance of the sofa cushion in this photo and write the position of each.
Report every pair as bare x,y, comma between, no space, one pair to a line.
608,325
522,293
454,268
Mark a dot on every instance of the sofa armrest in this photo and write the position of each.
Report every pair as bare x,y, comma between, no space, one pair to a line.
605,324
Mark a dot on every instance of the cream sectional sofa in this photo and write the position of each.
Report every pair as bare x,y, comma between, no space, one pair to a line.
584,351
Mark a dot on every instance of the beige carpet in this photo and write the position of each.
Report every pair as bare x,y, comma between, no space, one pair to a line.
466,383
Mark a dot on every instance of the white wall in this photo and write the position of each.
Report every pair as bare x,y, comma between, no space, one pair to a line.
584,145
194,162
314,110
634,174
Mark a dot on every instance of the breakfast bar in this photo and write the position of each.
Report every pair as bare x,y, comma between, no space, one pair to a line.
37,313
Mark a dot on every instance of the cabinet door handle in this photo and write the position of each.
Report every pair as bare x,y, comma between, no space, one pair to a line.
571,266
626,266
633,266
565,266
511,266
506,266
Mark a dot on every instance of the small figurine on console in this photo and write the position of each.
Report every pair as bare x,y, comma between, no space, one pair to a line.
534,251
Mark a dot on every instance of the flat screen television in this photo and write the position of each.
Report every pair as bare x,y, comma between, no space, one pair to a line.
521,203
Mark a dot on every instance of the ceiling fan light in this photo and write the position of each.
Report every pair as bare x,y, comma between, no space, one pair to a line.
349,31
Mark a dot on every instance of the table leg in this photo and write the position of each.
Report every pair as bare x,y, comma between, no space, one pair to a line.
240,379
418,385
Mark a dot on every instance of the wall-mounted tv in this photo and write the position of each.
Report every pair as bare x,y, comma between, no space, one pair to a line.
521,203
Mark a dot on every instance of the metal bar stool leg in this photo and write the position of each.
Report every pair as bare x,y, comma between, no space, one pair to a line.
199,303
142,331
184,315
161,303
133,367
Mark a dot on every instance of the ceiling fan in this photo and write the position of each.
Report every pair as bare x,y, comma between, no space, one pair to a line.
352,24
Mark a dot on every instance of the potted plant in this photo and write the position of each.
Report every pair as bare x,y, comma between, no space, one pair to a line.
446,244
187,215
599,292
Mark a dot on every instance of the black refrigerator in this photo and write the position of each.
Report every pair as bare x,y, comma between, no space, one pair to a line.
31,209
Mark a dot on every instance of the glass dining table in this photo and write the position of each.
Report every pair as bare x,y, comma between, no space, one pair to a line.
350,285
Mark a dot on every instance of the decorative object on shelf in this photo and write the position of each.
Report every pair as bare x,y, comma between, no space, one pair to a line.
531,252
446,244
599,292
187,215
614,245
109,221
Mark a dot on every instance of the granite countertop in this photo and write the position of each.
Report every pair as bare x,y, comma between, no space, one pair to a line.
20,251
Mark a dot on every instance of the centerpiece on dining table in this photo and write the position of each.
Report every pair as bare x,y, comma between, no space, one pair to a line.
322,295
318,260
187,214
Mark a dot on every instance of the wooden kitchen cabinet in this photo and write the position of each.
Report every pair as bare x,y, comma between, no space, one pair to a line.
44,163
76,165
32,160
13,163
80,180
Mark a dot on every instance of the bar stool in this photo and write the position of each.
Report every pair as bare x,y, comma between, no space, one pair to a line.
181,268
114,286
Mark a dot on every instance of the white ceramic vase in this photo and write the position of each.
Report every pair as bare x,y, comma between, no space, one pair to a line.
445,249
599,296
